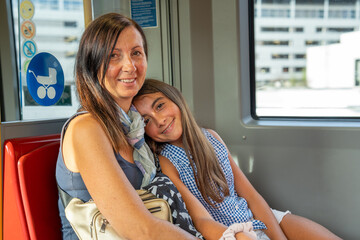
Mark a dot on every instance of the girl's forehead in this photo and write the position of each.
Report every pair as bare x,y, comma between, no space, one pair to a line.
149,97
148,101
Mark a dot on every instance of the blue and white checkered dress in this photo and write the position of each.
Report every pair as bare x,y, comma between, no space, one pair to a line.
233,209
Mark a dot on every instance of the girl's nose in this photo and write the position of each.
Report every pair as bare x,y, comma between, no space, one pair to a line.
160,121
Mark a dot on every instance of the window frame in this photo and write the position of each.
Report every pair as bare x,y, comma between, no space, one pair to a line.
249,116
9,94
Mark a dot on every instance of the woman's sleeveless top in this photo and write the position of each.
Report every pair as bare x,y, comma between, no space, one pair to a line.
233,209
73,184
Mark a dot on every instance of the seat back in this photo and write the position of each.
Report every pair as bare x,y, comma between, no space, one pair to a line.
39,192
14,220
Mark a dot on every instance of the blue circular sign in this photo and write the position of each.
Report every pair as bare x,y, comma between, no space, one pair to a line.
45,79
29,49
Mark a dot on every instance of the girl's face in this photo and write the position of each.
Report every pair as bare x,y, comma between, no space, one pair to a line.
127,67
162,118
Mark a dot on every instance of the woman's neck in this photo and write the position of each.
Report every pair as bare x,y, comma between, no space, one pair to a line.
125,106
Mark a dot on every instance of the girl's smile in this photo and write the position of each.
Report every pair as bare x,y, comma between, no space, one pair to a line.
162,118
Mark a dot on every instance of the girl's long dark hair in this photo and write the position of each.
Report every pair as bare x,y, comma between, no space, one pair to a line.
201,154
92,61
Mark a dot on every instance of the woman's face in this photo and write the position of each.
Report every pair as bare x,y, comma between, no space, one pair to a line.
162,118
127,67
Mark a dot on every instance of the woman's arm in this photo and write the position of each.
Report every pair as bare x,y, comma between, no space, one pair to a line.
257,204
203,221
87,150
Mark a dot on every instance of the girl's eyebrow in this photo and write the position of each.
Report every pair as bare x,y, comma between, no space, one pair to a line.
156,100
153,105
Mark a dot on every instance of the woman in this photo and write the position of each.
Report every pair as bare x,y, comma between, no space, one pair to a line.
199,164
97,157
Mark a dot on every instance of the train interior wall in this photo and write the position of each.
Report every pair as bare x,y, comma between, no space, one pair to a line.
309,168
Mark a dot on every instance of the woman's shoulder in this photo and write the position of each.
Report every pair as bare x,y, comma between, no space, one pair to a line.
83,128
84,136
84,121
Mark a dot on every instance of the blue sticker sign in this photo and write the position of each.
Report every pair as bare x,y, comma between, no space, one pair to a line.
144,12
45,79
29,48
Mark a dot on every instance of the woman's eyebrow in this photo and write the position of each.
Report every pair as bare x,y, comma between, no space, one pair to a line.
137,46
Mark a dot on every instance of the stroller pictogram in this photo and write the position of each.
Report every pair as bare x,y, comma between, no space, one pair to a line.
46,82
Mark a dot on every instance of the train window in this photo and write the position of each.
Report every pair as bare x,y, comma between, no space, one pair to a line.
308,65
55,27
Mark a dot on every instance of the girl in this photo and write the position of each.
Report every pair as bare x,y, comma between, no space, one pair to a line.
102,154
199,164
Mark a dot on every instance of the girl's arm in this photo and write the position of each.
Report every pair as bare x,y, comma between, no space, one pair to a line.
257,204
204,223
87,150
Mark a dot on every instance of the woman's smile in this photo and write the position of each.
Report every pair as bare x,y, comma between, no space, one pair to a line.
130,80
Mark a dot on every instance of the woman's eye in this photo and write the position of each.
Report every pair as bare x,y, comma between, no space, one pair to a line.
114,55
136,53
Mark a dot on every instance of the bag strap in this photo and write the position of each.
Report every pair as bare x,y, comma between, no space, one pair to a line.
157,163
64,196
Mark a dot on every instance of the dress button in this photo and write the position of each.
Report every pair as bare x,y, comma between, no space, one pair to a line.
236,207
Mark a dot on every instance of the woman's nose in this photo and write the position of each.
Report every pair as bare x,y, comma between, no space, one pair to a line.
128,65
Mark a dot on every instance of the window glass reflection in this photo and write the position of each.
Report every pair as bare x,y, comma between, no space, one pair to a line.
309,64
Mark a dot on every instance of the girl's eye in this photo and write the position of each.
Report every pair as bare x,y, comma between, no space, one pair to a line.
146,121
159,106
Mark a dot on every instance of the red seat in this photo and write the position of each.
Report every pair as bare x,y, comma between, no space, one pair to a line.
24,183
39,192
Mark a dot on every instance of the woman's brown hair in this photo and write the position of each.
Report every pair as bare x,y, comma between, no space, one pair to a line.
198,149
92,60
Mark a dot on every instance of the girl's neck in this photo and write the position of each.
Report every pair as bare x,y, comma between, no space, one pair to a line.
178,143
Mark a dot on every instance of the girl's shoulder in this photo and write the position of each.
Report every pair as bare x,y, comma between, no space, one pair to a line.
214,134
